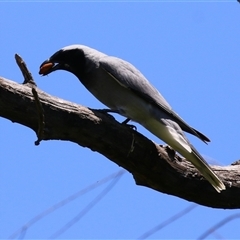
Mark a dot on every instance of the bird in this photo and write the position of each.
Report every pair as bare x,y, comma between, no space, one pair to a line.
125,90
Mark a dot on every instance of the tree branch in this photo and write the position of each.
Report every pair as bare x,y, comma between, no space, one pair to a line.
151,165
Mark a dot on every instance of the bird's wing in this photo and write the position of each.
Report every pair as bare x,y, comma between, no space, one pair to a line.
129,77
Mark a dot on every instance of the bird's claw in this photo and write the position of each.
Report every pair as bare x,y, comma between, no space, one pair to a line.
107,110
129,125
133,127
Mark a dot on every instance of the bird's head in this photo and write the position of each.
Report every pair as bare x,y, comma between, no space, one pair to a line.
70,58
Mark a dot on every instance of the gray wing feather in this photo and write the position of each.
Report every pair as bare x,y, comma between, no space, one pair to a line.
130,77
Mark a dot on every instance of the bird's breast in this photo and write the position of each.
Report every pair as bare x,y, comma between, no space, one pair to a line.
116,96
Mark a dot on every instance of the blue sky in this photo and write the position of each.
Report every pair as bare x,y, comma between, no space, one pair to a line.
188,50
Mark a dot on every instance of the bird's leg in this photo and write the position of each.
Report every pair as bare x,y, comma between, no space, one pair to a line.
129,125
126,121
116,111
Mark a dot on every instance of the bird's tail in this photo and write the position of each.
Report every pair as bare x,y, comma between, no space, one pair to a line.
197,160
171,133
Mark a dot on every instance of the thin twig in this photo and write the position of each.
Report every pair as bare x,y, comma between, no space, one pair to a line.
218,225
168,221
26,226
41,122
87,208
28,79
23,67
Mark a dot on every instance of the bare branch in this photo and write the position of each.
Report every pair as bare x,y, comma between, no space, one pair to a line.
151,165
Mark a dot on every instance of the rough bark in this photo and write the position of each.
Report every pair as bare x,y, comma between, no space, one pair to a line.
151,165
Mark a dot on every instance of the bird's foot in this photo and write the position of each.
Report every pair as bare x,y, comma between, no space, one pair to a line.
107,110
125,122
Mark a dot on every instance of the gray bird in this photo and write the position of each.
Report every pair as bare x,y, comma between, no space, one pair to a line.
124,89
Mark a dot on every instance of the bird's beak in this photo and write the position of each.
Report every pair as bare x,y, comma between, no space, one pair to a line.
47,67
